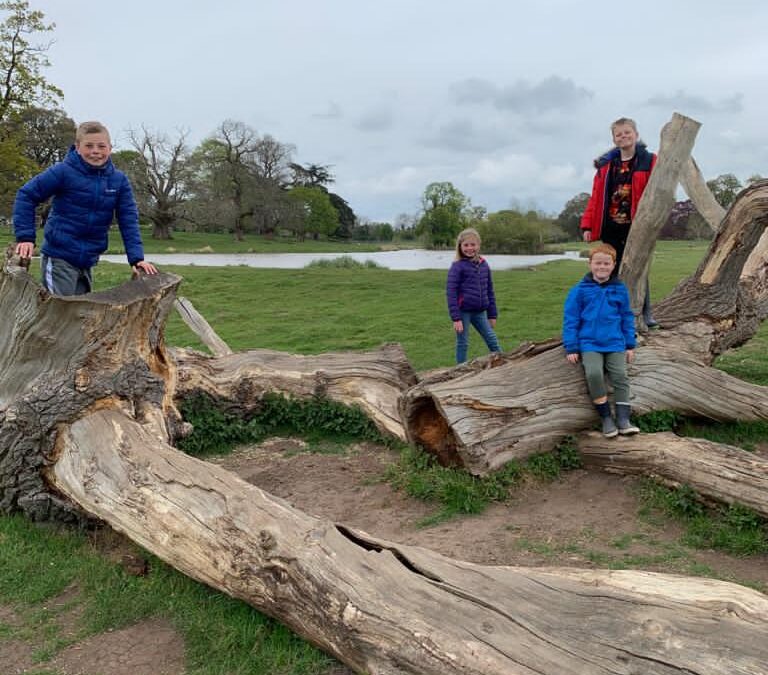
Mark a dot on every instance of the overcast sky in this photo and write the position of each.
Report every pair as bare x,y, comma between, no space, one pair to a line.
509,101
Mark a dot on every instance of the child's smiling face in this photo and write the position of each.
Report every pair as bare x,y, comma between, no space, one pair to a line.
95,149
469,247
601,265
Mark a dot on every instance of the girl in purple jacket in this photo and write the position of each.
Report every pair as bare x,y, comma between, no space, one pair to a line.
470,295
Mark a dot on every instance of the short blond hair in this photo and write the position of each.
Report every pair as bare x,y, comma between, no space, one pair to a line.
92,127
622,121
470,232
603,248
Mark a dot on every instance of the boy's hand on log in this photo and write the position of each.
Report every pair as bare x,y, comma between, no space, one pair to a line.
25,249
143,266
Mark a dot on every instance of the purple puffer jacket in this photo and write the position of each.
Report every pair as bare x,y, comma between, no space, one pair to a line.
470,288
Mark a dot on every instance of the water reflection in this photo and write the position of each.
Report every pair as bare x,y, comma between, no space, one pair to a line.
411,259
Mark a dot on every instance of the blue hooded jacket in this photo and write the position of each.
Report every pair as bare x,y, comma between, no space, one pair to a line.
598,317
470,288
85,201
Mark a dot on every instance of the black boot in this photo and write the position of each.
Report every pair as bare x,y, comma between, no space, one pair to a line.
609,427
648,319
626,428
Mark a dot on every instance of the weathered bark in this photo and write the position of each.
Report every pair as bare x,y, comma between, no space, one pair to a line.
717,472
61,356
719,301
384,608
677,139
201,327
372,381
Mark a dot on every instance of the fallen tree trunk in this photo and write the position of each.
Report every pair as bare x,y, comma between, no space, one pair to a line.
720,473
533,398
372,381
383,608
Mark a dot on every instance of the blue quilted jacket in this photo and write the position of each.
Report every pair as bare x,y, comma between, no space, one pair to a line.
598,317
470,288
86,200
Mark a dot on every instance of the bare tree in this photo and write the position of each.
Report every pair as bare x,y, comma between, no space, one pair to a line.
162,178
273,159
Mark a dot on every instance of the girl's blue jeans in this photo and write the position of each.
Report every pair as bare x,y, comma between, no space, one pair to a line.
480,321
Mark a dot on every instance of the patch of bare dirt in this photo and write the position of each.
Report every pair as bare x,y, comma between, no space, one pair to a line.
151,647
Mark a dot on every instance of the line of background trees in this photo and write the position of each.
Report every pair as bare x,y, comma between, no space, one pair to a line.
245,183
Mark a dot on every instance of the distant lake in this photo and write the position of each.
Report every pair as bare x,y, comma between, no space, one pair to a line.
410,259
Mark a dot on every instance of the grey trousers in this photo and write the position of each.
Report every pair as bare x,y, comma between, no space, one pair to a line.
597,364
61,278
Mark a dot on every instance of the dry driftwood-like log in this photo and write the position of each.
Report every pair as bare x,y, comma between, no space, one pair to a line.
718,472
677,139
372,380
90,436
533,398
696,188
383,608
201,327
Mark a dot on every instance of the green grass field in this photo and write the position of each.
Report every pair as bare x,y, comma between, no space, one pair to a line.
303,311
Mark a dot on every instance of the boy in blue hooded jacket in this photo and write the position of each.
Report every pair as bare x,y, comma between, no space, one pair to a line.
599,331
88,193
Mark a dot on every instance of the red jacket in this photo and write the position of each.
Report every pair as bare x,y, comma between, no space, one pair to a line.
594,214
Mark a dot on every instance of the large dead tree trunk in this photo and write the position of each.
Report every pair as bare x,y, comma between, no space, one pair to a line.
385,608
86,432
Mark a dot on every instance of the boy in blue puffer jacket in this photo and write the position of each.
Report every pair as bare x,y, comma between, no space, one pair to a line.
469,291
599,330
88,192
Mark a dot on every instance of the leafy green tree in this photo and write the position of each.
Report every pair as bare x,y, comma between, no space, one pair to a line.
316,214
510,231
444,214
347,217
311,175
725,188
15,169
22,83
569,219
48,134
